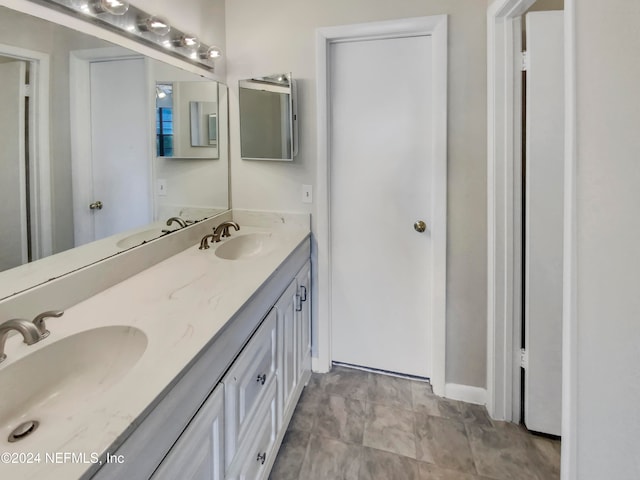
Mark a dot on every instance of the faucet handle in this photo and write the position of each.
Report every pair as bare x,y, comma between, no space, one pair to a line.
39,321
204,242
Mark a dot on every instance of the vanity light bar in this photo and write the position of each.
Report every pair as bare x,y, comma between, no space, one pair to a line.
132,22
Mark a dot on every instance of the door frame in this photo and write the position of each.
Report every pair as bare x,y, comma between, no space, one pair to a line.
40,175
502,266
81,148
436,27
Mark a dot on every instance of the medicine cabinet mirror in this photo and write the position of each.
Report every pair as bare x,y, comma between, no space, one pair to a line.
268,118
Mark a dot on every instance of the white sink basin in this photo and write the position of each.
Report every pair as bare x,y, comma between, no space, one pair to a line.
54,382
245,246
139,238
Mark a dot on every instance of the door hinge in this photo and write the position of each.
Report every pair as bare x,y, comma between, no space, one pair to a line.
27,90
524,359
524,61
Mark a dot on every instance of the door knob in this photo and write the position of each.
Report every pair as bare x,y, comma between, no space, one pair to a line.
96,205
420,226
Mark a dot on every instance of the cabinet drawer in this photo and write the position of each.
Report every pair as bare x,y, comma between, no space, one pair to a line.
255,454
199,452
247,382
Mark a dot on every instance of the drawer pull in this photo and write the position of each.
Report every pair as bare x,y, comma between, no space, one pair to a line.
304,290
261,379
261,458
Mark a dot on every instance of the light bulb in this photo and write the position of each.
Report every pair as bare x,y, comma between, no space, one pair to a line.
186,41
114,7
157,25
210,53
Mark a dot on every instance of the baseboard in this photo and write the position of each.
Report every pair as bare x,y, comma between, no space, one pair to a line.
466,393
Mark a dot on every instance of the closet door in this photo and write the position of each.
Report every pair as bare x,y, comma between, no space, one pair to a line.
544,201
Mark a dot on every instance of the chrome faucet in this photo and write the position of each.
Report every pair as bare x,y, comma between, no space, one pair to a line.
27,329
222,230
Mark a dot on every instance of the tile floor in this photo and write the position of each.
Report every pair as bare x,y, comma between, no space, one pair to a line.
354,425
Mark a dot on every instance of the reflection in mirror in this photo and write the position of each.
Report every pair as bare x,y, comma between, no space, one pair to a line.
268,119
187,119
204,124
79,169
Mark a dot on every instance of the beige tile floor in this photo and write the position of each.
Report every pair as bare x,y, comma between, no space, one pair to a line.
354,425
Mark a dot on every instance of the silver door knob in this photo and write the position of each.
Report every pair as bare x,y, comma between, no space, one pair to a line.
96,205
420,226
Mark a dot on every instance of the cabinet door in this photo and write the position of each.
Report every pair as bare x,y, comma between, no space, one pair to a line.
199,452
287,370
303,320
255,455
247,381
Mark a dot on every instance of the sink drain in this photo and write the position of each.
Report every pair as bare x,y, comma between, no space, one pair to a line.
23,430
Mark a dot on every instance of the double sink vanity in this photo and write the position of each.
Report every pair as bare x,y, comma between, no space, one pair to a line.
189,369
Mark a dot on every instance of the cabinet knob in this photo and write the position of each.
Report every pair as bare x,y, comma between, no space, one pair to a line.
97,205
261,379
261,457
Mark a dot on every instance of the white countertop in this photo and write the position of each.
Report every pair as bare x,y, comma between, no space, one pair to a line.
180,304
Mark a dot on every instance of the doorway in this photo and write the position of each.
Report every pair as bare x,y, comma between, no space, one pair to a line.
111,150
358,226
508,300
24,184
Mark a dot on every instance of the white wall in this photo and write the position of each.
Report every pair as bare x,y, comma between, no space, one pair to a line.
607,346
279,36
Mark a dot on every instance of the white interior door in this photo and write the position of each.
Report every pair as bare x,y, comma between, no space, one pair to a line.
13,197
381,184
120,146
544,200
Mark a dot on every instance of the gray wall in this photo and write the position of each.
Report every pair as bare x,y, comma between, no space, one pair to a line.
277,36
607,344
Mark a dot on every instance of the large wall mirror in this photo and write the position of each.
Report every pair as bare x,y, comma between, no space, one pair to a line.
80,125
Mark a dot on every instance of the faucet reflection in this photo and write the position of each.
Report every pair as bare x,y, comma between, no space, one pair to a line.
177,220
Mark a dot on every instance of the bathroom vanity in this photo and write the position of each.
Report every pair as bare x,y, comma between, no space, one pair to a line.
190,369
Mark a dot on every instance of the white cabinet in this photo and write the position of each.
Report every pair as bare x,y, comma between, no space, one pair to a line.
303,321
294,324
247,382
199,452
287,372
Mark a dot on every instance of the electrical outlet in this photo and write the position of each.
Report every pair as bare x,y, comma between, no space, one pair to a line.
307,194
161,187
